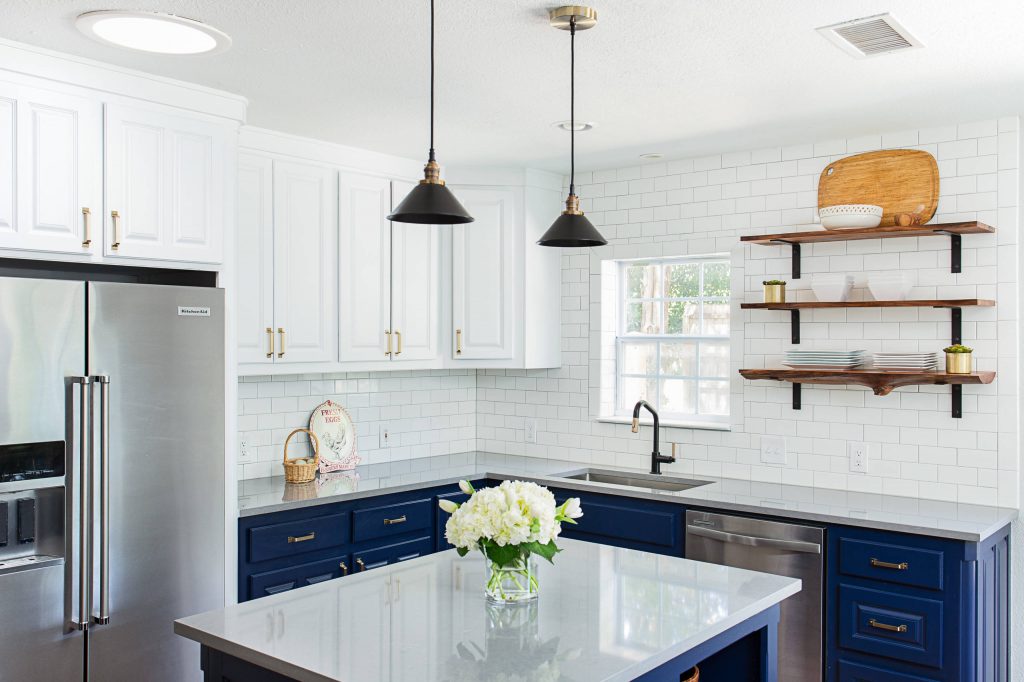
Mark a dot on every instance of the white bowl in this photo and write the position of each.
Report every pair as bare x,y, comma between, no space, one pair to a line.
831,287
850,216
891,286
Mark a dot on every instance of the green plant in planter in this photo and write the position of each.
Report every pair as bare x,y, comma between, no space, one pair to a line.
773,282
957,348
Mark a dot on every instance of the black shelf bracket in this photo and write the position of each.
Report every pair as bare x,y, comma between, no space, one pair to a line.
795,246
956,325
794,323
796,397
955,250
958,401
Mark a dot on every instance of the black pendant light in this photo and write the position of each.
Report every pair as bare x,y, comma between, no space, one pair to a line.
430,202
572,228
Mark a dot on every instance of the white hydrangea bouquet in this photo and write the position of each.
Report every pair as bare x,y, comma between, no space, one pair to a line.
509,524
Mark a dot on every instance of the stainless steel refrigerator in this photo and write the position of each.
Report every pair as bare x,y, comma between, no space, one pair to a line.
111,477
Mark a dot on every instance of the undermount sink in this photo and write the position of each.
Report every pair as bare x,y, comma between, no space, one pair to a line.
635,480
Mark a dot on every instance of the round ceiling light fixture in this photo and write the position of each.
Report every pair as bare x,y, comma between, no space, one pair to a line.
651,156
581,126
152,32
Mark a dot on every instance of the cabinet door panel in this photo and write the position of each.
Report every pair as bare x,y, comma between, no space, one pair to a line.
52,167
165,179
365,267
305,263
415,287
483,280
254,256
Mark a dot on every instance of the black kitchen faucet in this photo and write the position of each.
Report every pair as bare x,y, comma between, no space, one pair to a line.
657,459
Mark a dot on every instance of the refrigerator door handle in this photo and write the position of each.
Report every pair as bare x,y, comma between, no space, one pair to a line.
104,472
84,519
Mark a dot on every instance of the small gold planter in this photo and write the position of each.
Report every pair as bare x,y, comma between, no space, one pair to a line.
774,293
958,363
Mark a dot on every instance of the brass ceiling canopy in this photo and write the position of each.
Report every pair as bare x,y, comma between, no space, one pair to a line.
561,17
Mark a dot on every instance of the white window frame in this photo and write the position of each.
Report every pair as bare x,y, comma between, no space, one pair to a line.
658,339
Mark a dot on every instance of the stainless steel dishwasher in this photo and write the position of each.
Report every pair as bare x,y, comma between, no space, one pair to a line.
771,547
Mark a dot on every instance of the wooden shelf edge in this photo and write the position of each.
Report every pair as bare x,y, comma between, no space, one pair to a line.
914,303
930,230
881,382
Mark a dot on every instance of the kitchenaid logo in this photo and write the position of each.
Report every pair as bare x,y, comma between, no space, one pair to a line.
193,311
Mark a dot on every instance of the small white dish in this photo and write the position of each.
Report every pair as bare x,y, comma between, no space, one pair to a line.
850,216
832,287
891,286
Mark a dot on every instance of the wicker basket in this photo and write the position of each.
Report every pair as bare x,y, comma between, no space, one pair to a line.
301,473
691,675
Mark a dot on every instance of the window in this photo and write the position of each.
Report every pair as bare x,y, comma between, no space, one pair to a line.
672,338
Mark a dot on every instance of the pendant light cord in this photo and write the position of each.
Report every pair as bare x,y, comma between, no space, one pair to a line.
431,80
572,104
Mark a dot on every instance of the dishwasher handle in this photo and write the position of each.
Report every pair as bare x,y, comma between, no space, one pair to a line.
754,541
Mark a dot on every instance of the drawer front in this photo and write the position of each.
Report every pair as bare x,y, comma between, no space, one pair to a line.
892,563
284,579
613,522
856,672
440,542
891,625
392,554
391,520
297,537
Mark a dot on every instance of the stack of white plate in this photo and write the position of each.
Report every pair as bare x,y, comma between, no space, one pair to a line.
911,361
824,359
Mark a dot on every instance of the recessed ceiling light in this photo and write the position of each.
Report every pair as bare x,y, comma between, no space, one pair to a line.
651,156
580,126
152,32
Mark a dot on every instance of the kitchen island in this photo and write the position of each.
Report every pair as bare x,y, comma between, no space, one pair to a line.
604,613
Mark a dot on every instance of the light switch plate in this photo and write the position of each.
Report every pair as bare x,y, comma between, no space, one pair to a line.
773,450
531,431
385,438
858,457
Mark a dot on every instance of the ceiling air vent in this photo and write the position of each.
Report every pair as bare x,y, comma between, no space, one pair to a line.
870,36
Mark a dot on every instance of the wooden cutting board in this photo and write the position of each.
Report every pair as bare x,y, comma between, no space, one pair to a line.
901,181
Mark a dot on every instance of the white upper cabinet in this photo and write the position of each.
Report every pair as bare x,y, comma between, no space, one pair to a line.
305,263
415,286
484,267
254,260
364,202
50,170
165,182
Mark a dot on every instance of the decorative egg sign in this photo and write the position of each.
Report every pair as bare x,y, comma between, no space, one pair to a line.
337,434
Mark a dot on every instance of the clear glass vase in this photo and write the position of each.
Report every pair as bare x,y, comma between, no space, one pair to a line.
513,583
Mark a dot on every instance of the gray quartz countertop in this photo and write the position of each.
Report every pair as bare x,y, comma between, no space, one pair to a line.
426,620
937,518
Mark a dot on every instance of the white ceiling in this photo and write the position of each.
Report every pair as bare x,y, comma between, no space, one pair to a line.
680,77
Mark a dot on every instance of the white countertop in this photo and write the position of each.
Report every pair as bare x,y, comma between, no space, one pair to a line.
969,522
604,613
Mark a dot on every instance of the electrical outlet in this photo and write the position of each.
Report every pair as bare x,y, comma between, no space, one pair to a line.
773,450
531,430
385,438
244,453
858,457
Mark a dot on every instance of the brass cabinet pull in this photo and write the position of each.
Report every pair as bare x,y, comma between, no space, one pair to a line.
301,538
280,332
394,522
387,333
115,220
344,568
885,626
901,566
398,335
86,238
270,342
458,342
360,565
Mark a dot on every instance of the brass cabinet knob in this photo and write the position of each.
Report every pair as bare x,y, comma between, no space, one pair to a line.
344,568
360,565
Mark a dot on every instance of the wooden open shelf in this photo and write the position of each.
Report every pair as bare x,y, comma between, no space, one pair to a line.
952,230
918,303
932,230
882,382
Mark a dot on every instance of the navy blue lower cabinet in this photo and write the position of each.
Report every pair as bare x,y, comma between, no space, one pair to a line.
629,522
376,557
908,608
284,579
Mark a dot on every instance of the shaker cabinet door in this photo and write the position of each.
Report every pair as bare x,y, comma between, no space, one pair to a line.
51,170
254,260
364,202
305,263
165,186
415,287
484,263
